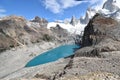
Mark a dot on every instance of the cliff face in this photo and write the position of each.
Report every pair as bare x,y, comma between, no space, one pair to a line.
98,29
100,35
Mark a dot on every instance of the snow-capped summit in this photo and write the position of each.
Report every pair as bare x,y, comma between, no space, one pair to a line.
74,21
111,5
111,9
89,14
75,26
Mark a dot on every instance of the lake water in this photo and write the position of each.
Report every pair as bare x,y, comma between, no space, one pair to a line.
53,55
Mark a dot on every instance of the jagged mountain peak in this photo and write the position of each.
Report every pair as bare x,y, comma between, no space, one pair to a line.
42,22
89,14
111,9
74,21
38,19
111,5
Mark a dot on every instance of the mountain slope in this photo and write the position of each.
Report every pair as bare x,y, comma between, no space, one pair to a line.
15,31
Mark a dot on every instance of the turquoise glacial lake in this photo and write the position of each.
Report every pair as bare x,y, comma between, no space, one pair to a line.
53,55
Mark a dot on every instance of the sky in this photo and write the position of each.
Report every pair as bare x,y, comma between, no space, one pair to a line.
49,9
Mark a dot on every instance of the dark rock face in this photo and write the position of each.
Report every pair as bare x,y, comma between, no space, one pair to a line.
98,29
61,34
59,31
100,35
43,22
74,21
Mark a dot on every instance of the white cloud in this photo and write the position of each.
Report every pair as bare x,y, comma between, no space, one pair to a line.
52,5
2,11
69,3
97,4
57,6
2,15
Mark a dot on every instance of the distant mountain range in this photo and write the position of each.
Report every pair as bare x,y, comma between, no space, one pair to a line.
76,26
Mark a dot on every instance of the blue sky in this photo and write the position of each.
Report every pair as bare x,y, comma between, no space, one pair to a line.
49,9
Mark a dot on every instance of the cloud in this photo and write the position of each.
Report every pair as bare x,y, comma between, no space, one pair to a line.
2,12
97,4
69,3
52,5
57,6
2,15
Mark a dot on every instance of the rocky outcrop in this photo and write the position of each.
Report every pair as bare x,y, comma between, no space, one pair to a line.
98,29
89,14
100,35
62,35
74,21
59,31
42,22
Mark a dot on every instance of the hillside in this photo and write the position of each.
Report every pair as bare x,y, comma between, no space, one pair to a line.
17,31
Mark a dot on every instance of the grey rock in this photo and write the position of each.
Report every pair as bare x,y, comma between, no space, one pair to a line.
43,22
